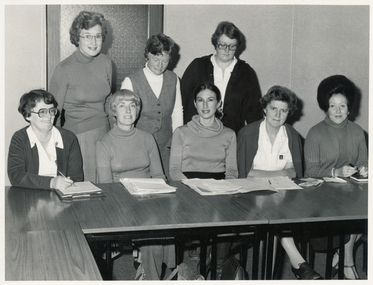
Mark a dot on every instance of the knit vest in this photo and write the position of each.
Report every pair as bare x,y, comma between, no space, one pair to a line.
155,115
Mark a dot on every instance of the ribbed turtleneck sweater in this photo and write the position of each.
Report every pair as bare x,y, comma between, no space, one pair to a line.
204,149
127,154
329,145
80,85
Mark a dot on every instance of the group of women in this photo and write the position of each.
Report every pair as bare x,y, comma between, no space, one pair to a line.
209,126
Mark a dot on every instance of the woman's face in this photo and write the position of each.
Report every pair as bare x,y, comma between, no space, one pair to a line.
226,55
126,114
338,108
276,113
206,103
158,63
45,123
93,46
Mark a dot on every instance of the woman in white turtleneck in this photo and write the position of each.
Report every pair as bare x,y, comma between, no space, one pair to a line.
159,90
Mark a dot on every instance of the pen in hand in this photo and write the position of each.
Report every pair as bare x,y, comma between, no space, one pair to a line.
60,173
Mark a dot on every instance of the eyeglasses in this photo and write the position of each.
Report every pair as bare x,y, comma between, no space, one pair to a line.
43,112
225,46
89,38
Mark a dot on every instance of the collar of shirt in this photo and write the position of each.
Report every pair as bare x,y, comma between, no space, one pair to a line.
56,137
281,135
229,68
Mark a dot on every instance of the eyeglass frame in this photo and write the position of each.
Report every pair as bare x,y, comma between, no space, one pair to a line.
45,109
219,46
88,38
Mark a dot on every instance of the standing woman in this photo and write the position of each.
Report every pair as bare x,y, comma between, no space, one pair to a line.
81,84
337,147
236,80
159,90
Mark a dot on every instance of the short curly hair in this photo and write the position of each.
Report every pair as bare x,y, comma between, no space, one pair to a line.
123,95
280,93
28,101
86,20
158,44
228,29
335,84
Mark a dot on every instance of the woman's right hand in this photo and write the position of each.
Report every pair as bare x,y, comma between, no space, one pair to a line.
60,182
345,171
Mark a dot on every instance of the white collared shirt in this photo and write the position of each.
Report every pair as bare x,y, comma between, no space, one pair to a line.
272,157
221,78
48,156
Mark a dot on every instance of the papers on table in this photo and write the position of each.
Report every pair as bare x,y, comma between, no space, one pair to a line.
309,182
334,179
283,183
80,190
359,178
146,186
211,186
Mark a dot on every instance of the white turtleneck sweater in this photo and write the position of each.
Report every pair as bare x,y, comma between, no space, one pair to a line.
156,82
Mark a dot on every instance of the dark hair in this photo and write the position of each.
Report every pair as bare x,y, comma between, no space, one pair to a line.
29,100
335,84
126,95
86,20
158,44
207,86
228,29
280,93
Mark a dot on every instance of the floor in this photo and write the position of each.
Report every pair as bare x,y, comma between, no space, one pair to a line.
124,268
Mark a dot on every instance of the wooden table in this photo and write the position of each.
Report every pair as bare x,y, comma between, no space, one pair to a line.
43,239
331,207
121,216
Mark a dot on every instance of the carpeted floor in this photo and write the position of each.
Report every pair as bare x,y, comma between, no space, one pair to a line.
124,268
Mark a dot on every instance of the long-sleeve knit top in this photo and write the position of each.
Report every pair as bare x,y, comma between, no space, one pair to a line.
80,85
322,149
132,154
23,160
198,148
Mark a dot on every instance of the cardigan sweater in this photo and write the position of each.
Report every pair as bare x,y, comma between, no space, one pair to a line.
80,85
198,148
241,102
322,148
23,161
132,154
247,146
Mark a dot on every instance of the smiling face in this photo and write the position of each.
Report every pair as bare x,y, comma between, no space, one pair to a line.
90,47
338,108
276,113
225,55
44,124
158,63
206,104
126,113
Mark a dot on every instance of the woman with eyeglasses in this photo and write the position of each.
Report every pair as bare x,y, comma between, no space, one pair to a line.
159,90
42,156
81,84
236,80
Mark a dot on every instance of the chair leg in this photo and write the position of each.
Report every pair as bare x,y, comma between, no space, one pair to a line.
365,256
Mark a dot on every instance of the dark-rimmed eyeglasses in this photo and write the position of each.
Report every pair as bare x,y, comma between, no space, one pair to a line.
43,112
225,46
89,38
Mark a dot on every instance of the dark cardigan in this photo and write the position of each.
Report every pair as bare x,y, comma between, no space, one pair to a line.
247,146
23,161
241,101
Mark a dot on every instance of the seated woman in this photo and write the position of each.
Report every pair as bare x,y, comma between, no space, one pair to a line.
270,147
127,152
204,148
337,147
40,151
